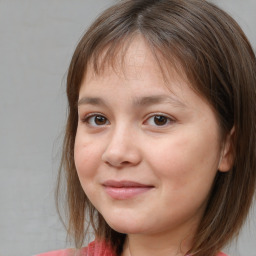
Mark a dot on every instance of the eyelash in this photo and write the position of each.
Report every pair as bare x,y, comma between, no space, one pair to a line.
87,118
167,119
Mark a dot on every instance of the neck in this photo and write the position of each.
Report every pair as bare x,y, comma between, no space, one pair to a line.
158,244
175,241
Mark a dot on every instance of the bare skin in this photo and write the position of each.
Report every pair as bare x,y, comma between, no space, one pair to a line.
133,129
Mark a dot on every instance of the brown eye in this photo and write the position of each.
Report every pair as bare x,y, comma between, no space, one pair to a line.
100,120
96,120
160,120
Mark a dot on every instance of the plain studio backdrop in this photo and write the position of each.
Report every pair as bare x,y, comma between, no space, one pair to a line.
37,39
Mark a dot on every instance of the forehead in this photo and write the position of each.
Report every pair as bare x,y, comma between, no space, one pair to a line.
134,59
138,73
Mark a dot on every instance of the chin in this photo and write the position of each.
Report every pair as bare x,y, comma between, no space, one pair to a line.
125,227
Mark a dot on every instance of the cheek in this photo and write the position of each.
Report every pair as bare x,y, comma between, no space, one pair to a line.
186,175
188,161
86,163
86,155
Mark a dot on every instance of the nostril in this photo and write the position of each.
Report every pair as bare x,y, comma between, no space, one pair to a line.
121,154
118,165
125,163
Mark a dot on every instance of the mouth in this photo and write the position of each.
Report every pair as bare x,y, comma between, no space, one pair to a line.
122,190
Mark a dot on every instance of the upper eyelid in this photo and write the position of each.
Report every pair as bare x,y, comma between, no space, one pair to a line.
87,122
146,117
160,114
85,117
148,122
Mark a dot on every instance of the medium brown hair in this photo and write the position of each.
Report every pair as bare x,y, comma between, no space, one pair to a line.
219,62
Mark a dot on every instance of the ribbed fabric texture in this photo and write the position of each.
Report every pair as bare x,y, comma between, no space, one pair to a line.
95,248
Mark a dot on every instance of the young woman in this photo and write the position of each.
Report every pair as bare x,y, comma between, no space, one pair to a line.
159,152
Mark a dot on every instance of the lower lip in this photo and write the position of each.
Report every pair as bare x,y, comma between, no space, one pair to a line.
126,192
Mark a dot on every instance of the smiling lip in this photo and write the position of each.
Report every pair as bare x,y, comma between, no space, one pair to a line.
122,190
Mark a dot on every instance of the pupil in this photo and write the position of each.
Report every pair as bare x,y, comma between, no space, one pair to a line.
100,120
160,120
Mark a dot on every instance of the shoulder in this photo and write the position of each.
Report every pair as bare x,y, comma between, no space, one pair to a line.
95,248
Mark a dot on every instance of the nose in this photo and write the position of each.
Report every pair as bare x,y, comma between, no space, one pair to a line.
122,149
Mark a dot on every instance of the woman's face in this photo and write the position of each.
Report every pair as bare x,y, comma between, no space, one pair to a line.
146,155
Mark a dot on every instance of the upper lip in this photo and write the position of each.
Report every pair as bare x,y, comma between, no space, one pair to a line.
124,183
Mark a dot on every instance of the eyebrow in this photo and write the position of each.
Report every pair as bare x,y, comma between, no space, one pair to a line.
142,101
91,101
156,99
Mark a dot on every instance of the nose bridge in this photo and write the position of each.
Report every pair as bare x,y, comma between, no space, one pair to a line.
121,133
122,148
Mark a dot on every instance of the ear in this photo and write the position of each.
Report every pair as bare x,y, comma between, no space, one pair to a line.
227,153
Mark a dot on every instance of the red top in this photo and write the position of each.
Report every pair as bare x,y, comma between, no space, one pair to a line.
93,249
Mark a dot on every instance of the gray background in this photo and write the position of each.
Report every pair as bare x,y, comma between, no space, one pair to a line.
37,39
